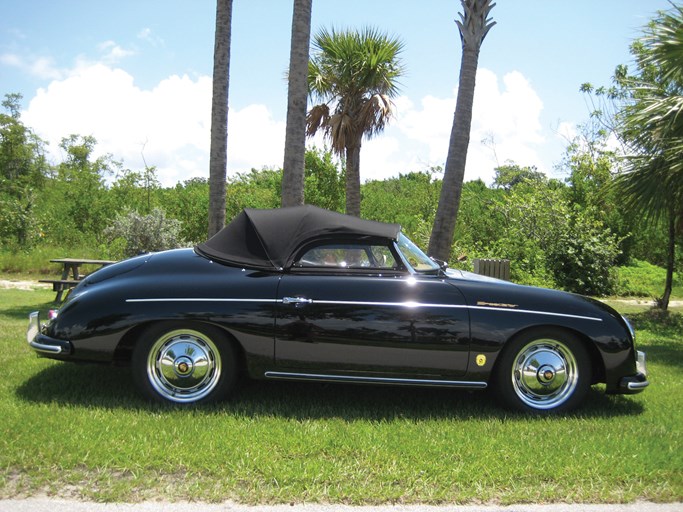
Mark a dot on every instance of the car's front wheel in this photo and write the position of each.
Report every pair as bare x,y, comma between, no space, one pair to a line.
543,371
184,364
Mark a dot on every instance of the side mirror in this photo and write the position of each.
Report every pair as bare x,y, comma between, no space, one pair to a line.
443,264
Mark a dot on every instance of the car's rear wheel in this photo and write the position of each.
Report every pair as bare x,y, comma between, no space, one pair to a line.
184,364
545,370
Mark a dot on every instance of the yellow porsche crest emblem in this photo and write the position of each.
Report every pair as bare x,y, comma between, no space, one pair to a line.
481,360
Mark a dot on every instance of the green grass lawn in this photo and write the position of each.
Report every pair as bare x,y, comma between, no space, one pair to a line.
83,431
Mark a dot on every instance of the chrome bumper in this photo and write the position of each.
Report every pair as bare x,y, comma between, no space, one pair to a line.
41,343
636,383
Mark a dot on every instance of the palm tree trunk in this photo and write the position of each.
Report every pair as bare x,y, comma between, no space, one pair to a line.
670,262
454,172
218,154
295,137
353,179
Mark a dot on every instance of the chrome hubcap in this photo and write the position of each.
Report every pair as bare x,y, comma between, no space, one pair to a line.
544,374
184,366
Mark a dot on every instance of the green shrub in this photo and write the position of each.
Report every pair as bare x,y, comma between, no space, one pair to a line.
642,279
583,258
144,233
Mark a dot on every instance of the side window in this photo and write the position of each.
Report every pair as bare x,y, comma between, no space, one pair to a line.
383,256
350,256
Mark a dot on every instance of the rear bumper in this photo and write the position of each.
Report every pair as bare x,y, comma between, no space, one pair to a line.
44,345
632,384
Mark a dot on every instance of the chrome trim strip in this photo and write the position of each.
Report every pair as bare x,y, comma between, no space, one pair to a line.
531,312
370,303
375,380
453,306
407,304
199,299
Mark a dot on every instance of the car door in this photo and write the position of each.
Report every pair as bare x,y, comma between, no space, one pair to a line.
368,316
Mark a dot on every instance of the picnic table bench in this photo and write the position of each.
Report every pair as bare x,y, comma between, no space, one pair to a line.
71,273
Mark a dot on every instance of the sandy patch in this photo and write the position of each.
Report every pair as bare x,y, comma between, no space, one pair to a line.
22,285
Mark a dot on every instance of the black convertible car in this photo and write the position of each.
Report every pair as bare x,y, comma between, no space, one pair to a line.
306,294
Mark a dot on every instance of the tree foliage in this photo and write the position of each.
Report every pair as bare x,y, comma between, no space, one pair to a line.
645,113
567,234
22,173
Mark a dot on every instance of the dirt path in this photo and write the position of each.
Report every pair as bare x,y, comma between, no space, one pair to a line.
22,285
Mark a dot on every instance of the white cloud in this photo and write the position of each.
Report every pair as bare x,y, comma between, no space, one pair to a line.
146,34
378,158
567,131
171,122
113,53
10,59
255,139
40,67
507,118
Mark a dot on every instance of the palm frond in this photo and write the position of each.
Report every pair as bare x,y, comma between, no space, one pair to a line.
356,72
648,187
651,123
474,21
374,114
664,40
341,131
318,117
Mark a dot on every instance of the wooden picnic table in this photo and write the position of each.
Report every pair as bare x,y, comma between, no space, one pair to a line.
71,273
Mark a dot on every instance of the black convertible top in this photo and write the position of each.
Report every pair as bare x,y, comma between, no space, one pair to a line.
267,239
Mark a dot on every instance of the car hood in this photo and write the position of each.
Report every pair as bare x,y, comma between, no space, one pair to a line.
490,293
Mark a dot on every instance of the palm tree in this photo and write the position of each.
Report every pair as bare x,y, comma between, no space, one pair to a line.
218,155
474,24
651,125
354,74
295,137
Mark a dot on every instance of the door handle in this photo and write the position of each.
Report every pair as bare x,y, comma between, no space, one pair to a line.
296,300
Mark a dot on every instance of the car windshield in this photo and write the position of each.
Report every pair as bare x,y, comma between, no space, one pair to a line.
414,255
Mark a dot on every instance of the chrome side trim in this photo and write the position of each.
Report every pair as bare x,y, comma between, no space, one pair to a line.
375,380
638,385
200,299
452,306
532,312
407,304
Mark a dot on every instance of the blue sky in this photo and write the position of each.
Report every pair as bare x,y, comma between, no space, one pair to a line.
137,76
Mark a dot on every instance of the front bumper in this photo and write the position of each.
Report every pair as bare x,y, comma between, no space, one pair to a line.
42,344
632,384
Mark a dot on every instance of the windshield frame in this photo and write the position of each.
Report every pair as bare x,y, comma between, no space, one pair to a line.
410,252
